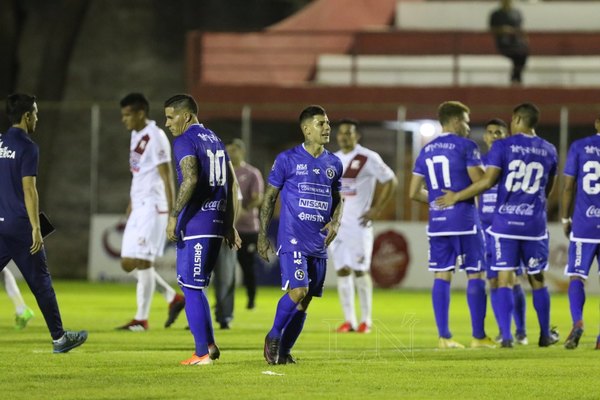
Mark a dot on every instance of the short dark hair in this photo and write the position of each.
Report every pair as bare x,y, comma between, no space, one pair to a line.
450,109
496,121
349,121
182,101
18,104
529,113
310,111
137,102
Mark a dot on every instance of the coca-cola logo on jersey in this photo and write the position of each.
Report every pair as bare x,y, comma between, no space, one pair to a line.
592,212
214,205
516,209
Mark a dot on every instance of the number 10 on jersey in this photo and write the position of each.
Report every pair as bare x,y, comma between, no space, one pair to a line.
217,175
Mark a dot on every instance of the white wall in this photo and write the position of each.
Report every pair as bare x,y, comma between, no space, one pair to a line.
473,15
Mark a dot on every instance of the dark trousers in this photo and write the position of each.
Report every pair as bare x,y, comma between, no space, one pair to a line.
223,282
34,269
247,257
518,56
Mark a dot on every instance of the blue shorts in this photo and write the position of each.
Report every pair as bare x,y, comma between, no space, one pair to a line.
446,252
581,257
510,254
489,258
196,260
298,270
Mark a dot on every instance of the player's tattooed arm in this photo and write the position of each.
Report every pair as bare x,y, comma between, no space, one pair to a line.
265,215
189,172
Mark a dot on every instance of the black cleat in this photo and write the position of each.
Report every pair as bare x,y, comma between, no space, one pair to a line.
175,308
554,333
573,339
69,341
286,359
214,352
271,351
546,341
506,343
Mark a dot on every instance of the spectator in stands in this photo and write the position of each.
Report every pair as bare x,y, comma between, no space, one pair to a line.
511,41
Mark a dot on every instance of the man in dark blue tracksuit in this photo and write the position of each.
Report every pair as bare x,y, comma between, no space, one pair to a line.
20,236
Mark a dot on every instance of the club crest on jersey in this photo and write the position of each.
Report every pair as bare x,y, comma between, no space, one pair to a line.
330,173
355,164
299,275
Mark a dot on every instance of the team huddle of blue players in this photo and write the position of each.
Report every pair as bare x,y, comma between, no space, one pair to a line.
498,236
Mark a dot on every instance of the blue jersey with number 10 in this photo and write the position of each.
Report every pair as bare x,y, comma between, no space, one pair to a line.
204,215
528,165
444,164
307,184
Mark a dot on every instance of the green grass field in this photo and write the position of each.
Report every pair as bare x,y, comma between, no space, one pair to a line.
398,359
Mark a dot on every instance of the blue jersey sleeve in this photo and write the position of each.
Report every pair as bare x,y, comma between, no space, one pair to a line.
473,156
29,161
572,163
182,148
278,171
419,169
495,157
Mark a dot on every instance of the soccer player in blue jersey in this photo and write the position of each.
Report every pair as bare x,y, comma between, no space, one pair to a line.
581,223
308,177
524,166
203,215
497,129
451,161
20,233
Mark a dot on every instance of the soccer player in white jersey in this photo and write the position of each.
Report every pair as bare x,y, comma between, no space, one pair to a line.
524,165
152,193
351,250
581,223
22,313
452,161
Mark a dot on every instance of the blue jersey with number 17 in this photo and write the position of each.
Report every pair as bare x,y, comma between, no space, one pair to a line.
528,165
204,214
444,164
583,164
307,184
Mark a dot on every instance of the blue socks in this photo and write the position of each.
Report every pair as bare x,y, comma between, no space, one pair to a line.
541,303
576,300
286,309
440,296
520,307
291,333
476,298
197,311
505,303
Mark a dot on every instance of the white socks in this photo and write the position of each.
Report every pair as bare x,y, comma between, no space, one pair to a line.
364,287
10,284
163,287
346,294
145,289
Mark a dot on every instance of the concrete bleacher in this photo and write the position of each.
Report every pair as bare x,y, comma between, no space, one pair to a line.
448,70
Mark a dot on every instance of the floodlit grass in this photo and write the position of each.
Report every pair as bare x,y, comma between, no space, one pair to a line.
398,359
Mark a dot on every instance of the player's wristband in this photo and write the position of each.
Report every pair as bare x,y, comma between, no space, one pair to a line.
565,220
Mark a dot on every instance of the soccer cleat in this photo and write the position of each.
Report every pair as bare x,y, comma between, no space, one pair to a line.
175,307
345,328
22,319
554,333
69,341
546,341
506,344
573,339
271,350
134,325
598,343
485,342
363,328
213,351
447,343
286,359
521,338
498,338
195,360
